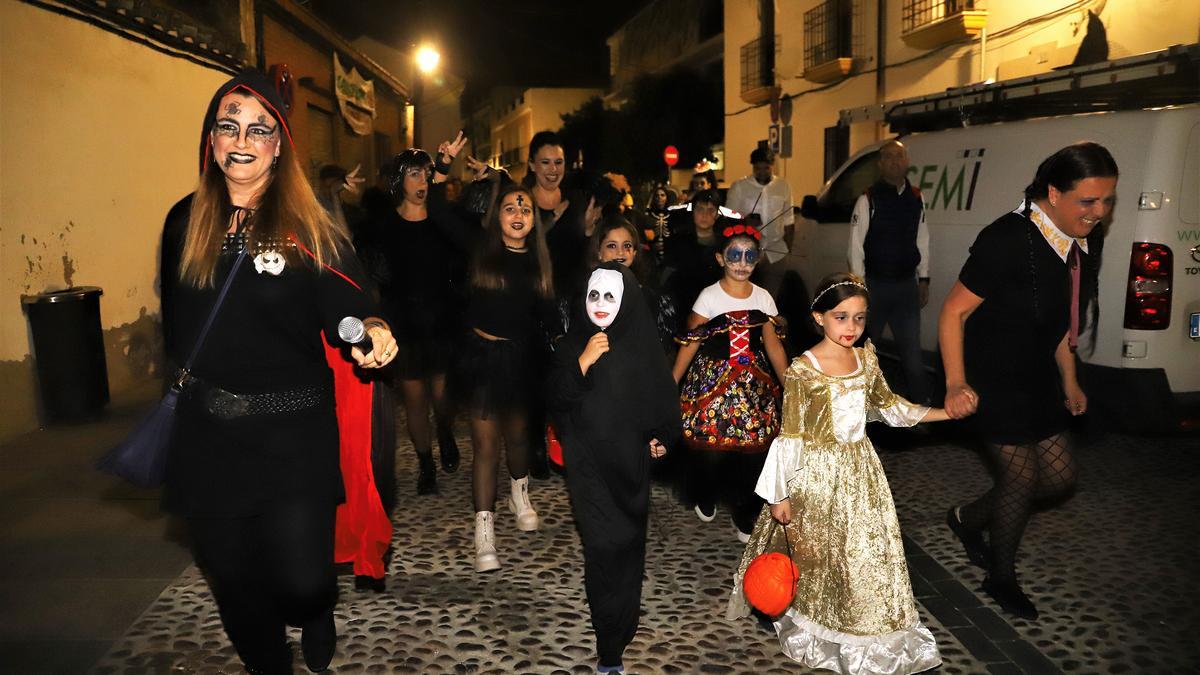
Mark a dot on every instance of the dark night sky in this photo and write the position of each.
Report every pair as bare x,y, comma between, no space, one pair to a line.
490,42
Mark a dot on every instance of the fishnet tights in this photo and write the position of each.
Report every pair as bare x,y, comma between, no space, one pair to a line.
1028,474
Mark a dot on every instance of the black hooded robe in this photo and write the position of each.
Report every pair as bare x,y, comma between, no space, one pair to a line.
605,421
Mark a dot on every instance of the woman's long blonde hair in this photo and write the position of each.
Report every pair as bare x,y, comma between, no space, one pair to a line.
286,209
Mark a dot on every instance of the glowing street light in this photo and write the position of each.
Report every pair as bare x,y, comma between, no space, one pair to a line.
427,59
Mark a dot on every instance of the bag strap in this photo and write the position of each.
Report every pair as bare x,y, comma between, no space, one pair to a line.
212,315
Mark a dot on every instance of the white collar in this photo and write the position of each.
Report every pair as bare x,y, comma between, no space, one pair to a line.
1058,240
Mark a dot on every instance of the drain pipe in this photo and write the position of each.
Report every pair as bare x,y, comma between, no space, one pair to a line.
983,55
880,65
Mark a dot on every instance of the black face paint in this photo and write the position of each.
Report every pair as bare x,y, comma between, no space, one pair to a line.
233,108
520,200
228,162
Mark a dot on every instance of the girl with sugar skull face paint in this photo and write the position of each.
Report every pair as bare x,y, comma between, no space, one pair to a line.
613,404
728,366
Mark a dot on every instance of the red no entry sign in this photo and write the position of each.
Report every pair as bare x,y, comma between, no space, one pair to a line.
671,155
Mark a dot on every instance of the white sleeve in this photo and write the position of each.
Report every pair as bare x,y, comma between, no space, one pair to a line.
923,245
766,303
789,215
704,305
735,198
782,465
859,222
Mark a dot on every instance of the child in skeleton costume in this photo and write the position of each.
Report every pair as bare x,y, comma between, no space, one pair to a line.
614,406
731,357
853,611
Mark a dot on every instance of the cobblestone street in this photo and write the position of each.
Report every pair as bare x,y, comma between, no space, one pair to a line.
1102,568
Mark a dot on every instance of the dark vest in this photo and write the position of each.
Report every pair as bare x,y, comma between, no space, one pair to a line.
890,248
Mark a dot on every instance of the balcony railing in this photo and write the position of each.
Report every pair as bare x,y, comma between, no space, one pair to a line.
829,40
932,23
758,68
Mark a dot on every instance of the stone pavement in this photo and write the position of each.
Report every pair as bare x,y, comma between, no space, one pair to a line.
1105,570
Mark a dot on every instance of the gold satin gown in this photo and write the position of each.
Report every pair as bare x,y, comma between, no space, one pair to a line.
854,610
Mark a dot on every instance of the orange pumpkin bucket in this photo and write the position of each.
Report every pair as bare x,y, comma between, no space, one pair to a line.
771,579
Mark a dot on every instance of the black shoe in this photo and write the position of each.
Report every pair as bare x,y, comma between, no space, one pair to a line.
978,551
362,582
538,466
1008,594
427,476
318,640
448,452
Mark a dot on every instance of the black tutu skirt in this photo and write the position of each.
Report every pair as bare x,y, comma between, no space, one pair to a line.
498,376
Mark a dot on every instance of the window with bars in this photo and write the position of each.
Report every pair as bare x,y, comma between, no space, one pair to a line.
918,13
829,32
758,58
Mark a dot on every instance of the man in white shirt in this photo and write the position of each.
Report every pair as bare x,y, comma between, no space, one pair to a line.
768,197
889,248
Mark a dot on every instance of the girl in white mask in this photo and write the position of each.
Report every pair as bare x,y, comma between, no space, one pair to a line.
614,406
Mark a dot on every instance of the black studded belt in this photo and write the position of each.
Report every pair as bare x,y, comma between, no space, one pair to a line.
226,405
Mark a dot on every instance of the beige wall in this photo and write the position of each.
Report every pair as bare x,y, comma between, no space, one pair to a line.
542,109
98,138
1134,26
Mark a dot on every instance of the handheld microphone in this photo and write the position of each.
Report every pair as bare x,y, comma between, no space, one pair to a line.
352,332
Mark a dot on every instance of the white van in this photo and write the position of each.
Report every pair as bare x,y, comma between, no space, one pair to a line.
1144,368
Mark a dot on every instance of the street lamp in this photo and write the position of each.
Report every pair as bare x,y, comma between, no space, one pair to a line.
427,59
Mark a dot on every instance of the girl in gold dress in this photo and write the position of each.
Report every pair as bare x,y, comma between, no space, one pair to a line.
854,610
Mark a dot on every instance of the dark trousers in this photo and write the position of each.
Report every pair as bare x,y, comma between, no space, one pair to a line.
267,571
897,303
727,476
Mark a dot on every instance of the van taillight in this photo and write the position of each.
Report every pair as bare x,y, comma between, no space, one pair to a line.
1148,295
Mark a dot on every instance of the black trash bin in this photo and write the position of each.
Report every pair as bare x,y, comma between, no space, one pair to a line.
68,349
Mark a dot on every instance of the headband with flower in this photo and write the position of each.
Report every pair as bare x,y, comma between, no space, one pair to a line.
742,228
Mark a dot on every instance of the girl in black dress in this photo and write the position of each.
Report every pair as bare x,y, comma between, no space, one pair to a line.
510,311
1008,333
614,406
409,258
253,465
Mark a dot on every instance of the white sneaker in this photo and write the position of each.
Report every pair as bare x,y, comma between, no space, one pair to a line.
485,542
518,503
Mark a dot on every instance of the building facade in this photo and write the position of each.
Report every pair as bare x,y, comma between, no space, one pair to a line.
797,63
100,122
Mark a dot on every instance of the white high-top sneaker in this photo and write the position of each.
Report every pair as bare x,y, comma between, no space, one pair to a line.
485,542
518,503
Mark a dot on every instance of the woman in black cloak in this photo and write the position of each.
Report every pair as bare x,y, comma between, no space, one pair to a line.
614,405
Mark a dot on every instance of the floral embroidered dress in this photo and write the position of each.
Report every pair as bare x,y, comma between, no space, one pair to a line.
854,610
729,397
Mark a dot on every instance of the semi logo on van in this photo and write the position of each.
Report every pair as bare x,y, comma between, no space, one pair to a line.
942,184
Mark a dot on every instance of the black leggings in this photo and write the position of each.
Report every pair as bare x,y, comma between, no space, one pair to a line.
727,475
267,571
1029,474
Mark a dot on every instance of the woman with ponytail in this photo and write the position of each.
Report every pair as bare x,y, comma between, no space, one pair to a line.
1009,330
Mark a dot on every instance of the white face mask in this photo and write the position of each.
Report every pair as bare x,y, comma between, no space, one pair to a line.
603,300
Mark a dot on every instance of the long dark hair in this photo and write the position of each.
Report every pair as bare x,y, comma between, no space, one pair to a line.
1064,169
488,269
540,140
